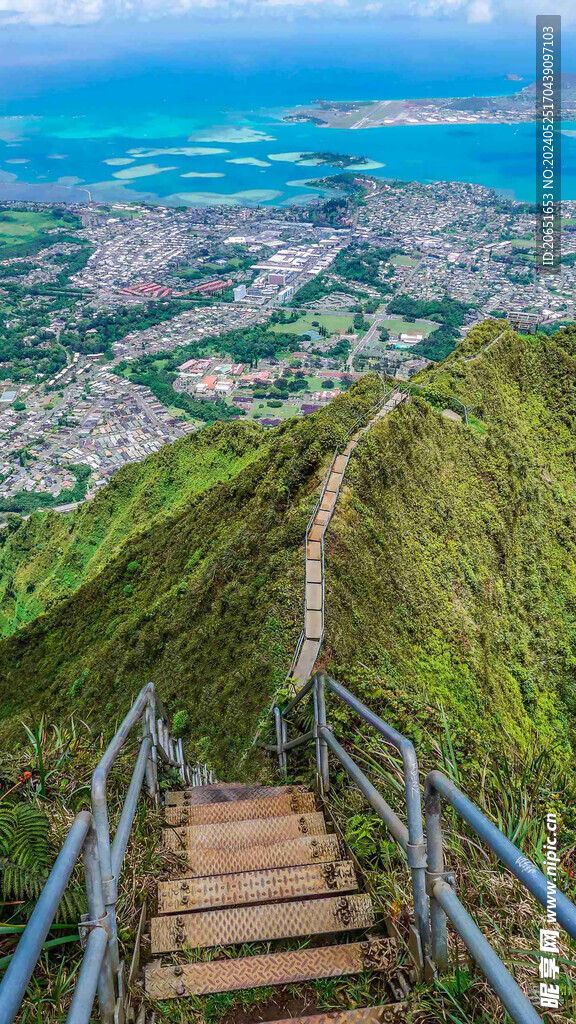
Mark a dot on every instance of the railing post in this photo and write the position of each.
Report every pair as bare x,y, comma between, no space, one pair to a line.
416,850
320,723
439,936
97,912
151,781
181,759
282,760
109,883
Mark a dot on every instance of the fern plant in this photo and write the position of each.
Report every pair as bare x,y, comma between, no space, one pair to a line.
25,860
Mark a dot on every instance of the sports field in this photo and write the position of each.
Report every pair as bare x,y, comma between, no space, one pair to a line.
311,322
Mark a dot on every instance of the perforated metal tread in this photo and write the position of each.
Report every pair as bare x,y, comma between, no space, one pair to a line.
256,886
305,850
241,834
225,793
263,807
200,979
261,923
365,1015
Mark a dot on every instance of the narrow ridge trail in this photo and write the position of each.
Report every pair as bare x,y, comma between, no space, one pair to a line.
310,640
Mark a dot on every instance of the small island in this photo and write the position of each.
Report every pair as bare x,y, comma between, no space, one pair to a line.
334,159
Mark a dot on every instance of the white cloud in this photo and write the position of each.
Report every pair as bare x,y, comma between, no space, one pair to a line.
483,11
82,12
480,11
51,12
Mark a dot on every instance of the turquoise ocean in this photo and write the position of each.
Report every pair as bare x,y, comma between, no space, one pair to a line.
198,124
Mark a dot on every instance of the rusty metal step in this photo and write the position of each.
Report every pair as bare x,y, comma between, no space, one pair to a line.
261,923
364,1015
334,481
305,850
240,834
316,531
287,883
340,464
225,793
201,979
313,624
243,810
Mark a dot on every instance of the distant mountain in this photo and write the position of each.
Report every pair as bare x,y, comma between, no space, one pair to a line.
450,567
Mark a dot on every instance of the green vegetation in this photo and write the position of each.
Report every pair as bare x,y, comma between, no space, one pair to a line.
25,232
438,524
398,326
44,781
403,261
313,322
451,611
49,557
158,371
222,263
25,502
333,159
98,333
363,263
450,313
219,584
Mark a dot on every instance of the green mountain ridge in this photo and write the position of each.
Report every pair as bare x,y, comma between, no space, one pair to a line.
47,560
450,567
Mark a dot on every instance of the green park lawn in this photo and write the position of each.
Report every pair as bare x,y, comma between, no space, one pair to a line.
260,408
305,323
18,226
403,261
405,326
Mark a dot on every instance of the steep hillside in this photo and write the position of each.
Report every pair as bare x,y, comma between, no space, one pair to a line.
450,566
207,600
47,559
451,561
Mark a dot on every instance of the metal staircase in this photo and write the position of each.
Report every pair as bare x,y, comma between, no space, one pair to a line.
310,640
262,867
260,863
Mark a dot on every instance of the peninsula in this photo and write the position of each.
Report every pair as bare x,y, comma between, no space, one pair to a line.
514,108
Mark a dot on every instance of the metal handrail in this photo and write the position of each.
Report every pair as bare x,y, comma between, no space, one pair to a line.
425,856
437,785
90,836
410,839
337,451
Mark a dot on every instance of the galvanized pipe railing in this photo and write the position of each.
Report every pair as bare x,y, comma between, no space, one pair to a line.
27,954
103,859
437,785
426,857
348,435
410,839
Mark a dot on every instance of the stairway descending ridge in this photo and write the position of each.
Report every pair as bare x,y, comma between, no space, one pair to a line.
311,640
261,866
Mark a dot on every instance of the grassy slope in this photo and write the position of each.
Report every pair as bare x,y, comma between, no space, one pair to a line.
216,602
48,558
451,573
451,560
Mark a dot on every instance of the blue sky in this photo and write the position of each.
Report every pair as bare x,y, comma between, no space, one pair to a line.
41,13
